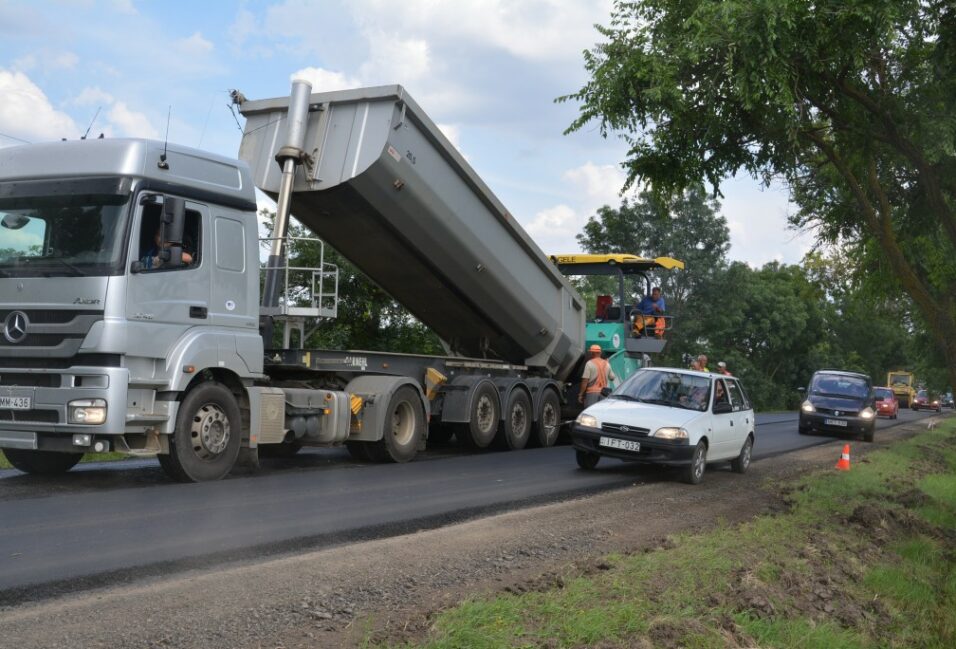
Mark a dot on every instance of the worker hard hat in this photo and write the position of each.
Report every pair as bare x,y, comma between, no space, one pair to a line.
721,364
595,349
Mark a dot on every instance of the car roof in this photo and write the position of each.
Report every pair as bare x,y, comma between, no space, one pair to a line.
681,370
843,373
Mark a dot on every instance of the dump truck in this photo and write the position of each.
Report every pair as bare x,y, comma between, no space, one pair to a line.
903,384
134,317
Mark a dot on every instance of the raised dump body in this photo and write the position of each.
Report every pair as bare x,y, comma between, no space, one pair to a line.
385,188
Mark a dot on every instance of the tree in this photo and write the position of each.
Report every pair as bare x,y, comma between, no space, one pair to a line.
849,102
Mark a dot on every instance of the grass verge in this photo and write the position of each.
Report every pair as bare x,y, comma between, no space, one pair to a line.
89,457
860,559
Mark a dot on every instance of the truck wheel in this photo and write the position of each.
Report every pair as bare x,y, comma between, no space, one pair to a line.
482,420
587,460
404,428
516,427
694,472
549,419
41,462
741,463
208,435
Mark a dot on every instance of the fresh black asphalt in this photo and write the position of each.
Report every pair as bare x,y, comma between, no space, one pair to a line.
107,521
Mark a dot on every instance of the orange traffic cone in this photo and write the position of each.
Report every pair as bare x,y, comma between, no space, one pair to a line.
844,463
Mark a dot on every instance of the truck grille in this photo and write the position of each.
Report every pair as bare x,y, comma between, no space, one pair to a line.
25,380
79,360
50,333
31,416
625,430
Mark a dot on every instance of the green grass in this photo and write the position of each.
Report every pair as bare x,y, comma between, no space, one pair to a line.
89,457
822,575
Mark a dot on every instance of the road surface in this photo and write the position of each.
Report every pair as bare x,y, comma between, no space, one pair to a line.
108,521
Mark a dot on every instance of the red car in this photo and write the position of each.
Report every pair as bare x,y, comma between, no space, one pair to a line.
886,403
924,402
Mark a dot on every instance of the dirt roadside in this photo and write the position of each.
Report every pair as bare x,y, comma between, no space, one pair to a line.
339,596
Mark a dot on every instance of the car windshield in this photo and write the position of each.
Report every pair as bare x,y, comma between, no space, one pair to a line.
72,235
665,388
922,393
839,385
883,394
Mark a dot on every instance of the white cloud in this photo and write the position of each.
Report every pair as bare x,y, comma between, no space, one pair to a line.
242,28
535,30
392,57
92,96
195,45
323,80
27,113
554,228
130,123
46,60
601,183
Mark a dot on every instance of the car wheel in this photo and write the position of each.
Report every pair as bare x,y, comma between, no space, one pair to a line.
868,434
694,472
803,431
587,460
741,463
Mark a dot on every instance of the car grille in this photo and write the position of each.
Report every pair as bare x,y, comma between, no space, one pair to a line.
625,430
31,416
838,413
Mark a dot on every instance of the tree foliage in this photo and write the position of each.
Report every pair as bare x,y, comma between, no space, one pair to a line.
849,101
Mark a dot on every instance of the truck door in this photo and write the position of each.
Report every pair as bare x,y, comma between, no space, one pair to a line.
163,303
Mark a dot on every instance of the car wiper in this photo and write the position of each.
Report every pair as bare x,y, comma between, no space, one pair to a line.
658,402
625,397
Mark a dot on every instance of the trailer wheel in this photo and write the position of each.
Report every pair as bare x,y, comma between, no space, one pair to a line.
41,462
483,418
515,429
208,434
404,428
549,419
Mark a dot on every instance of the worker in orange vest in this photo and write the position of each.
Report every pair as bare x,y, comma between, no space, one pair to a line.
597,376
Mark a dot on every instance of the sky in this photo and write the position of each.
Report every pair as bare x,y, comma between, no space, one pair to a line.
486,71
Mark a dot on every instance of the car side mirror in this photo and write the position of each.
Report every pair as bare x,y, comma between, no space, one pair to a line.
801,389
722,408
605,392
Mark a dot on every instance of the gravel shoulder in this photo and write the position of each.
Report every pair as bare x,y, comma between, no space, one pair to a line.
391,587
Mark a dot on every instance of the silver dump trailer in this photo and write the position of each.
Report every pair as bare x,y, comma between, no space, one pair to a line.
382,185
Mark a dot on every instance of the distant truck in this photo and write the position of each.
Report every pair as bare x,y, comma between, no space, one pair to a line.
130,310
903,384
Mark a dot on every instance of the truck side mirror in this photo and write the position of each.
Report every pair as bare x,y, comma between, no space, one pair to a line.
172,225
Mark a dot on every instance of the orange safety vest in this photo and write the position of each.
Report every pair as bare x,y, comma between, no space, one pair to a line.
600,381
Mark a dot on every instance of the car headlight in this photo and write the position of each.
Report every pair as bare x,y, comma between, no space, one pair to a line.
807,407
866,413
87,411
670,433
587,420
936,403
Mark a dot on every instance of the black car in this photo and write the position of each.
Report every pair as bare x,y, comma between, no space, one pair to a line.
839,402
947,400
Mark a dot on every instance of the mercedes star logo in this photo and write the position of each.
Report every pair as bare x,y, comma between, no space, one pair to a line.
625,429
15,327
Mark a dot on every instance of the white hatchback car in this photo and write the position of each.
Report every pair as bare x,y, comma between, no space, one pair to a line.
670,416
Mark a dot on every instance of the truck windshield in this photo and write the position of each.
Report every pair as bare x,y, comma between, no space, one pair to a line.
664,388
900,378
64,235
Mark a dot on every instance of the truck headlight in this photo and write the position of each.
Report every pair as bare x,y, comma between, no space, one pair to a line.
670,433
587,420
87,411
867,413
807,407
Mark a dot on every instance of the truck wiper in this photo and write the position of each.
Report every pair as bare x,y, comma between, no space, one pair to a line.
79,272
